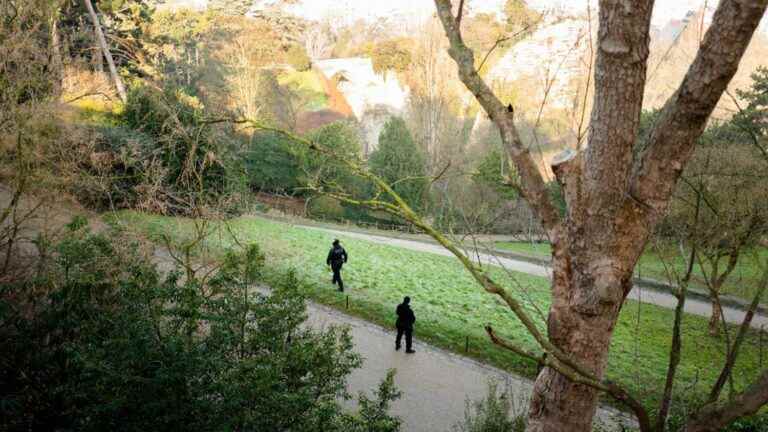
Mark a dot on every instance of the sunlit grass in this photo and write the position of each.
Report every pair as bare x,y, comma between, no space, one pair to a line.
657,260
450,307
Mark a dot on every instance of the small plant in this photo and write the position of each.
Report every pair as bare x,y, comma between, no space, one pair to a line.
499,411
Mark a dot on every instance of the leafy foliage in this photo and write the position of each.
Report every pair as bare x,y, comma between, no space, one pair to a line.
298,58
494,413
391,55
176,42
520,16
195,159
272,165
496,172
401,163
101,340
276,102
342,139
752,121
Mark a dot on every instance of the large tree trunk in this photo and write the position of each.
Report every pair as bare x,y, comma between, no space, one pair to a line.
588,294
613,198
105,50
594,274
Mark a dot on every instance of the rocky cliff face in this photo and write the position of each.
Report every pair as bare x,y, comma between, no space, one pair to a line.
373,98
552,57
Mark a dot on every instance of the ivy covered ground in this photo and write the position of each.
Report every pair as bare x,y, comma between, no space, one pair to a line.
450,307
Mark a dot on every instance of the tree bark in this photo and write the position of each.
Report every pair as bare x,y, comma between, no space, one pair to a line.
594,275
715,417
107,54
613,201
58,62
714,319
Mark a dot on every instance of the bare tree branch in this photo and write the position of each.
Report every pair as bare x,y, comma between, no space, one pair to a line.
677,343
533,186
460,13
685,114
733,352
714,417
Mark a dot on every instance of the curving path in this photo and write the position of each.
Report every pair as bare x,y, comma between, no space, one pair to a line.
692,305
435,384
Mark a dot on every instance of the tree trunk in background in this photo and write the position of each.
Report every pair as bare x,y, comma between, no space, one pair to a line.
58,62
714,320
102,41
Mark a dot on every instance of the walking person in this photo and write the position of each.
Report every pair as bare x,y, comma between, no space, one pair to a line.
404,324
337,257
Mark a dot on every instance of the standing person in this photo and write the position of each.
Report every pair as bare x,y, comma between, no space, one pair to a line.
404,324
337,257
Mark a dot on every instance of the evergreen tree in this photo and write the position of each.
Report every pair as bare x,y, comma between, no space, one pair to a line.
400,162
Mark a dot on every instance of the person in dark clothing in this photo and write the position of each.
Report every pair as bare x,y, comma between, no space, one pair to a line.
337,257
404,324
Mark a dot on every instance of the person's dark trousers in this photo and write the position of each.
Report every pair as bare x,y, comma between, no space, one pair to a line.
337,277
408,338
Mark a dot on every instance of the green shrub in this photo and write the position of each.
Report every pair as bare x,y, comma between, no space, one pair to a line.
100,340
194,159
343,139
326,208
494,171
272,165
497,412
298,58
391,55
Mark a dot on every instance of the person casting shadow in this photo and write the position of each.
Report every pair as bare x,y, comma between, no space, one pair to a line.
337,256
404,324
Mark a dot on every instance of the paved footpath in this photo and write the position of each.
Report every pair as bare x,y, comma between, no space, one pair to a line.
435,384
692,305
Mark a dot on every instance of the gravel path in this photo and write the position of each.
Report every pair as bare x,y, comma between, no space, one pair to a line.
435,384
692,305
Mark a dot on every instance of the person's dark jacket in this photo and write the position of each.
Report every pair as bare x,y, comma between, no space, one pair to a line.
336,257
405,316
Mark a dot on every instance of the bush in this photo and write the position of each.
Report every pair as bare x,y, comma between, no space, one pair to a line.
298,58
272,165
326,208
277,103
393,54
495,413
186,158
495,171
102,341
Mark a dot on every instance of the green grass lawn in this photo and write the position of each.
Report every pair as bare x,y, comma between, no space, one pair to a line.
742,282
451,307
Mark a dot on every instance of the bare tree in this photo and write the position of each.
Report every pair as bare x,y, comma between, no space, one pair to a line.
318,41
613,198
105,49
